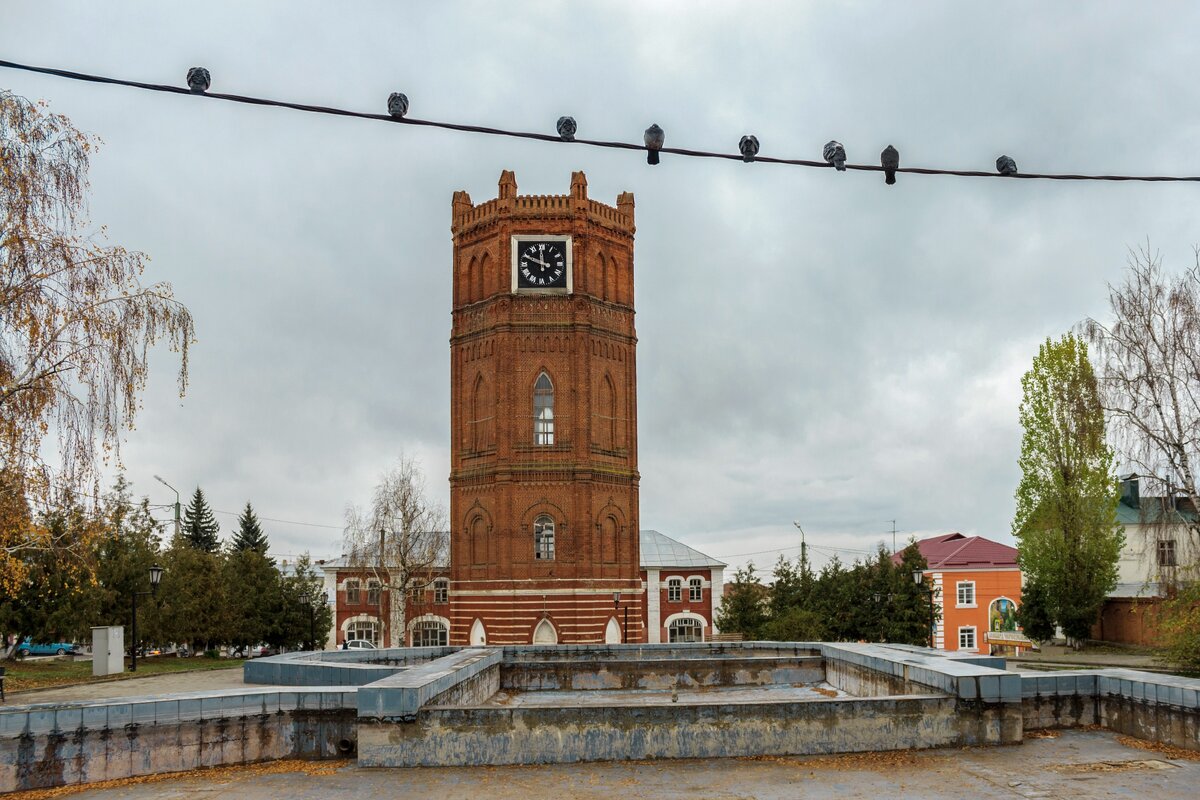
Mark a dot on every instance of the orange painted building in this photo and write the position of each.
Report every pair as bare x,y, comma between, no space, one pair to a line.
977,588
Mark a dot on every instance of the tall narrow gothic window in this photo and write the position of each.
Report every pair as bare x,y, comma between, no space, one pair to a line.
543,538
608,411
543,410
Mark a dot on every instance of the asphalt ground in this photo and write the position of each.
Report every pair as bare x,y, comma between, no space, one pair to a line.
1075,764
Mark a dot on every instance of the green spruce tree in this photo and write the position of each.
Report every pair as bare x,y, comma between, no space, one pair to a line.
743,609
249,534
1068,537
200,527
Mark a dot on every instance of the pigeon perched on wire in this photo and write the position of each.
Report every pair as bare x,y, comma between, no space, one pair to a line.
566,128
1006,166
748,147
654,139
889,159
397,104
835,154
198,80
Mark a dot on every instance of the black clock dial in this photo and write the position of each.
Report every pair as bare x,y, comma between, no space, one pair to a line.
541,265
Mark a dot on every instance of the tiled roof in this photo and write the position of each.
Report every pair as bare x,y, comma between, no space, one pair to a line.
660,550
954,551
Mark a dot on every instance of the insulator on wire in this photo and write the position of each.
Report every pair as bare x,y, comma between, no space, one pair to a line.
835,154
1006,166
397,104
748,146
566,128
654,139
198,80
889,159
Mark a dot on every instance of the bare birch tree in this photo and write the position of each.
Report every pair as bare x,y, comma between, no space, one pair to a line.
401,540
1149,372
76,323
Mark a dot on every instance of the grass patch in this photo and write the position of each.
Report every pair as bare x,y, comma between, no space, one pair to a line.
58,672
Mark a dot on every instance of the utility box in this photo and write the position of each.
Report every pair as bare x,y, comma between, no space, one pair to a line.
108,650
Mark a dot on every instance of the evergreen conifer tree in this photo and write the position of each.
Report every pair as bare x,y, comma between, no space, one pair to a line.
249,534
200,527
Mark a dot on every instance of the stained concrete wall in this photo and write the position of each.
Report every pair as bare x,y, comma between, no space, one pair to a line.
83,755
660,673
43,746
1158,708
541,735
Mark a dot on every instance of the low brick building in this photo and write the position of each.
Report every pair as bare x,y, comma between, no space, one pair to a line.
977,587
677,601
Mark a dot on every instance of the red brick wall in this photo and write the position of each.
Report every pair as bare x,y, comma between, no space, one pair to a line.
500,481
1129,621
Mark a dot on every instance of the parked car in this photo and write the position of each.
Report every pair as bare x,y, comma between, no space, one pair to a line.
29,648
359,644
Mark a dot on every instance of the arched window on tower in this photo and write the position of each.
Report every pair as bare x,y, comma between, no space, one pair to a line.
479,436
608,414
543,538
543,411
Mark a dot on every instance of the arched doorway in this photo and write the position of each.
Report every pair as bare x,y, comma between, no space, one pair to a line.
478,634
544,633
612,632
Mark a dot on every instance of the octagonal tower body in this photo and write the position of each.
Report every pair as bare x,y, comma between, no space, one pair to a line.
543,393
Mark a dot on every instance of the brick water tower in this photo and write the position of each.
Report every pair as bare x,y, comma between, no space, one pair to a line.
543,420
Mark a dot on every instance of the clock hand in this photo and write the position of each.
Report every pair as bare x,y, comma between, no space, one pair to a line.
538,261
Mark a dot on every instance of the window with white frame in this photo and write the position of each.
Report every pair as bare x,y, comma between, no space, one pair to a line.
966,638
543,410
352,594
686,629
695,589
416,594
363,629
674,590
430,633
373,590
441,591
1166,552
543,538
966,594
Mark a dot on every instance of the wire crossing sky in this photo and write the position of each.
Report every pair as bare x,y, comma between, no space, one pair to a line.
489,131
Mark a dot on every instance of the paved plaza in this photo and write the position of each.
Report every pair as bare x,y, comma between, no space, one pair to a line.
1077,764
199,681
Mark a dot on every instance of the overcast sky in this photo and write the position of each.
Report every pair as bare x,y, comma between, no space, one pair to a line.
813,345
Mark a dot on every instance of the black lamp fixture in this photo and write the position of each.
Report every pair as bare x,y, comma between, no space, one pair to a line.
156,573
625,627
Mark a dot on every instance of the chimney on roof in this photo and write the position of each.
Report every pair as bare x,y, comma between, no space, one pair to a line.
1129,491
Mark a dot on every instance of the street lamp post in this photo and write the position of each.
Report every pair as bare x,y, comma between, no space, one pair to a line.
178,524
625,627
919,579
155,576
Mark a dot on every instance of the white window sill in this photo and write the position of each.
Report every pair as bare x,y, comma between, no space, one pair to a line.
966,605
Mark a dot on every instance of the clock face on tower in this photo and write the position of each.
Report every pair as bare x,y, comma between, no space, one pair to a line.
541,263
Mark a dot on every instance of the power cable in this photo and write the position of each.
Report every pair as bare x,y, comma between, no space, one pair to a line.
1005,166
